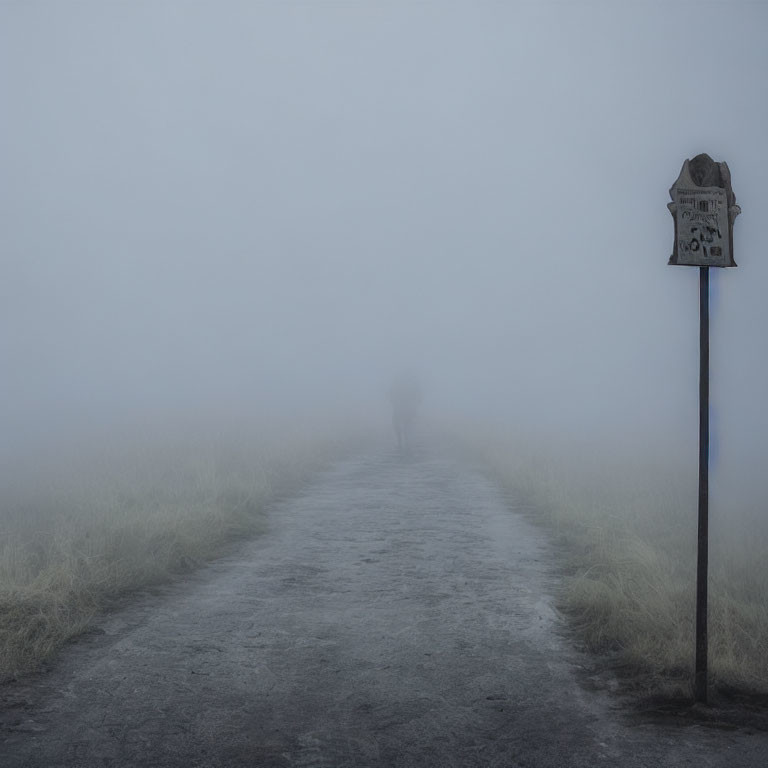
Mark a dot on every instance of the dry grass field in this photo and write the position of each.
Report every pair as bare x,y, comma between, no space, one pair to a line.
628,529
95,524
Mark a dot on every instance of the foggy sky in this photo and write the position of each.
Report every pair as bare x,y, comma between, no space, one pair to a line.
272,207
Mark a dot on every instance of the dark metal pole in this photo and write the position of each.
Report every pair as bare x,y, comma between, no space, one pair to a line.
703,549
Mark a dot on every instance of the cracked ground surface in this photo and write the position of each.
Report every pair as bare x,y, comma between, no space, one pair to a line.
398,613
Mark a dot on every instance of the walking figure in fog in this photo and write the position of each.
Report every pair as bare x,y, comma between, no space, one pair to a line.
405,396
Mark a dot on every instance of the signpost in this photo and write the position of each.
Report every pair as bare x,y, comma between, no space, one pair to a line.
704,209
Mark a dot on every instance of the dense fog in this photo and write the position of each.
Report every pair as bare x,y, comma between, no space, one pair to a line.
245,211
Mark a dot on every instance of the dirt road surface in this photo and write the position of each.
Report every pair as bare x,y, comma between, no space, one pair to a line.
398,613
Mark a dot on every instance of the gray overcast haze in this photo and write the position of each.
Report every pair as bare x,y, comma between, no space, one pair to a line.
247,209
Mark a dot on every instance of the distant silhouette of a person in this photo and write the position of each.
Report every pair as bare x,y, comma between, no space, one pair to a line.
405,396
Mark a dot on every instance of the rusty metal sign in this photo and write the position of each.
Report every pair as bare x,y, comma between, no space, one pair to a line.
704,209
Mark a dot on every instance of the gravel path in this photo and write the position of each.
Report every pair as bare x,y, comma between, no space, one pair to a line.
396,614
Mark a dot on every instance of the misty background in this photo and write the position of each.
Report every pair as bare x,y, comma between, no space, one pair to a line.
233,212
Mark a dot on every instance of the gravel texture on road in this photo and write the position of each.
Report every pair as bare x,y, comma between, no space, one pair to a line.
399,612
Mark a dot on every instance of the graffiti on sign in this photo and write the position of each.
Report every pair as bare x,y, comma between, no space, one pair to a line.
702,226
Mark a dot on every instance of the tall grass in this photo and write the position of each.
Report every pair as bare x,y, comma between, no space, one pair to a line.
94,525
628,530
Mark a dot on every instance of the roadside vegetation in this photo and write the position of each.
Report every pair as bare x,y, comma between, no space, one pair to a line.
94,525
628,530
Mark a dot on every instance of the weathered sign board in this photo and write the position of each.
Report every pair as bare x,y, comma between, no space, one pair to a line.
704,209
